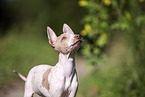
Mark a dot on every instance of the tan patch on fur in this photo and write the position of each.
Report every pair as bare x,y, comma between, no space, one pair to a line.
65,93
45,79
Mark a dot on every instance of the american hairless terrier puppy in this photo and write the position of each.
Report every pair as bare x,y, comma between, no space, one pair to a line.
59,80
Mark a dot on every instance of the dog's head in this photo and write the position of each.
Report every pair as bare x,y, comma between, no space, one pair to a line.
67,42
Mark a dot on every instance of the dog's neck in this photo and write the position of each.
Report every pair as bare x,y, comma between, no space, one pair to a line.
67,62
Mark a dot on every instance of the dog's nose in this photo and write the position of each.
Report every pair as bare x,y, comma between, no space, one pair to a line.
78,36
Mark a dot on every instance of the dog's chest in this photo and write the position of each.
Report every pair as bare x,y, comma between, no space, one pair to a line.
61,83
64,88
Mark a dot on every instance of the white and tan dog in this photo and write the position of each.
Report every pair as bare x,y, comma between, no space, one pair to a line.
59,80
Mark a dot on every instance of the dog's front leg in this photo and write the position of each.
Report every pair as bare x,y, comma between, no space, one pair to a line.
73,92
74,87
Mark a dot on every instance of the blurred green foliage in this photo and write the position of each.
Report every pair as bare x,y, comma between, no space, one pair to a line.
105,23
122,76
104,17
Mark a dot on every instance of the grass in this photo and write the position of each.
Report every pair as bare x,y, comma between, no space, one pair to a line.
21,52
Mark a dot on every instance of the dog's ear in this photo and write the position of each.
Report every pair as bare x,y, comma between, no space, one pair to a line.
67,29
51,36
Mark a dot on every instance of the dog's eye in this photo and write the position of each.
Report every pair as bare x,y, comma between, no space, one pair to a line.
64,38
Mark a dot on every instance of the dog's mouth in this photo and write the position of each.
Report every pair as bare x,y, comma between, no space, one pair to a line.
78,41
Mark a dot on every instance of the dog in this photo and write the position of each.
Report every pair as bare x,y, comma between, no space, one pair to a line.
60,80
